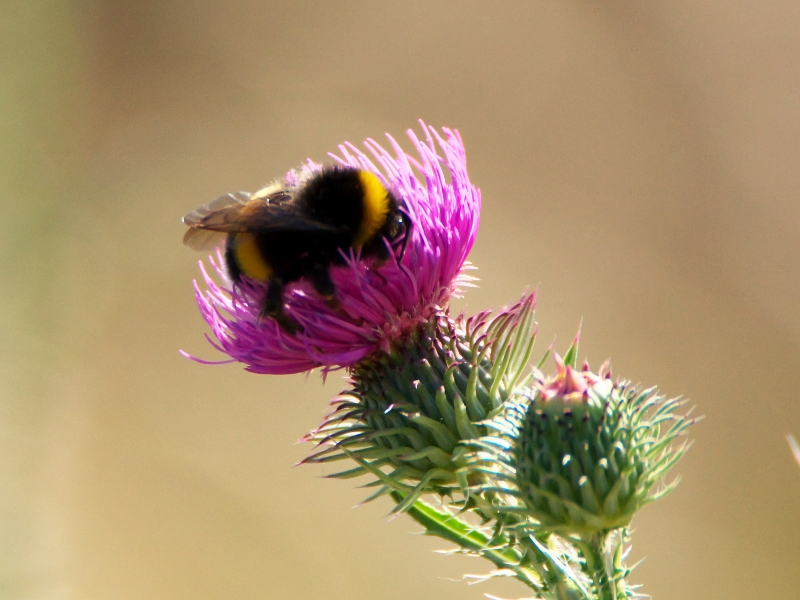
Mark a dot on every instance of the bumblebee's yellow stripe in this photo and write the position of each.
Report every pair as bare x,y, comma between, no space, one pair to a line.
249,258
375,208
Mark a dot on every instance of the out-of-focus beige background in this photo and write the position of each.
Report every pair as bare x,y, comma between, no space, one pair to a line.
638,162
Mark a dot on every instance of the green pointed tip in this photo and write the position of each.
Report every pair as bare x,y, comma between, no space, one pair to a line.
571,357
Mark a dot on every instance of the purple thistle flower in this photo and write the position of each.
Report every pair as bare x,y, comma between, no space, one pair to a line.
376,307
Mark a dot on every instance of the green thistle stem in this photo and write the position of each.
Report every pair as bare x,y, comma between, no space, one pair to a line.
603,554
532,562
453,529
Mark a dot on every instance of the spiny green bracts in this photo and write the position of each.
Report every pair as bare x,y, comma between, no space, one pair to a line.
579,454
409,409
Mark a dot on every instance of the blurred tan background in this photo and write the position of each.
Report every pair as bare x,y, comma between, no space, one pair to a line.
638,161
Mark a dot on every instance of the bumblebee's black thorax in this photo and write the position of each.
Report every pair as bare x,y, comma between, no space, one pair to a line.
335,196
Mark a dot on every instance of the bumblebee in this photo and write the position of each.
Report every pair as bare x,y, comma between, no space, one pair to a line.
284,232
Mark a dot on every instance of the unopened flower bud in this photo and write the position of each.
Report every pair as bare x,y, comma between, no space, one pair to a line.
580,453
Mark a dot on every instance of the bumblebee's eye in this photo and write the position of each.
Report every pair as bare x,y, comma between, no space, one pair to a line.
402,228
398,226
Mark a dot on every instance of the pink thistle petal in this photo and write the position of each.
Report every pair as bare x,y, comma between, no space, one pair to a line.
376,308
568,382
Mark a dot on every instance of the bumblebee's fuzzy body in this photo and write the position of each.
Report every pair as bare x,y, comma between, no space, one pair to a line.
284,233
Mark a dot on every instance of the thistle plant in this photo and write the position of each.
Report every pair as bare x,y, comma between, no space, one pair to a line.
539,473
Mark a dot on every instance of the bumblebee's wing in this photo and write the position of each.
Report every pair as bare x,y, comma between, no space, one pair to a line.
270,210
228,204
203,239
209,224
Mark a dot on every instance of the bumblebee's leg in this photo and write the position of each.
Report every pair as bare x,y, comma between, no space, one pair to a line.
375,270
273,307
321,280
273,301
382,253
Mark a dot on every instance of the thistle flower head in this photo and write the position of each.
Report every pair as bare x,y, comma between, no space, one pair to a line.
377,305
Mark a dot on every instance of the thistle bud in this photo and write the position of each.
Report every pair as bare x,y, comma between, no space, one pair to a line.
588,456
580,454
